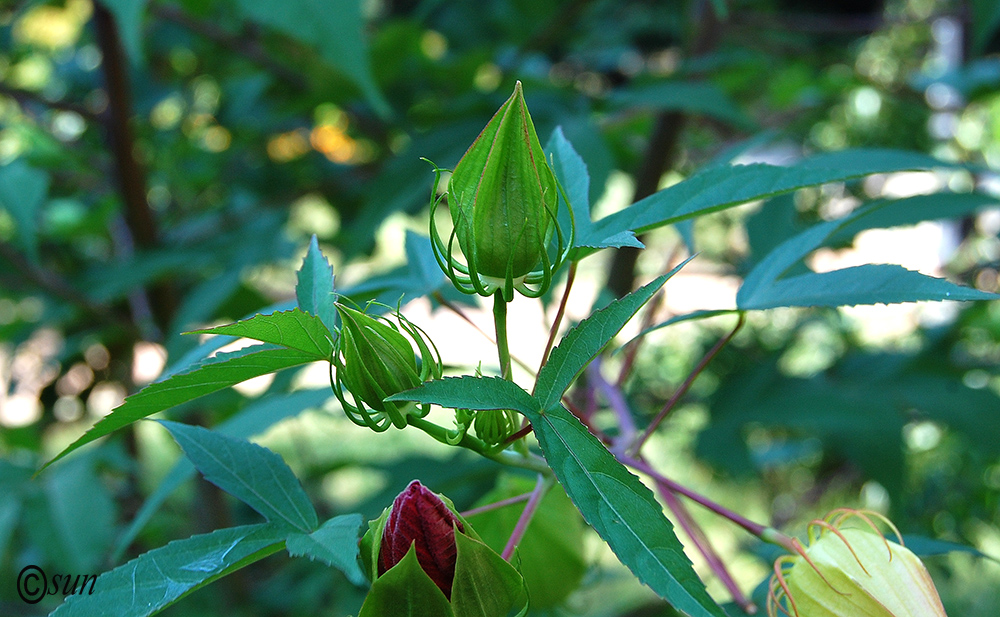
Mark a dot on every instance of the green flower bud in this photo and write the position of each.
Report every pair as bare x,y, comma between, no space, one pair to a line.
503,198
424,559
374,359
493,426
851,572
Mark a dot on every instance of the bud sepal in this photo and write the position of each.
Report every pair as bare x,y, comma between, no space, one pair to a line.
481,583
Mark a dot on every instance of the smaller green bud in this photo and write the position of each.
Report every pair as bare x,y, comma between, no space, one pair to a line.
374,359
494,426
503,198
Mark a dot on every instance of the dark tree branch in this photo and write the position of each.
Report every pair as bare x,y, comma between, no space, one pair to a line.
142,225
660,156
52,283
27,96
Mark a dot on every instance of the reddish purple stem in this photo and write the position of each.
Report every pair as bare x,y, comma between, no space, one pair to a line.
754,528
704,546
497,505
526,515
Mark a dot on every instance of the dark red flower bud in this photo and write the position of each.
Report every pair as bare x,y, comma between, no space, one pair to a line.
419,518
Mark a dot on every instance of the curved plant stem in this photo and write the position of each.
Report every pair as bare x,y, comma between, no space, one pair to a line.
541,487
500,322
448,304
704,546
496,505
512,459
682,390
570,277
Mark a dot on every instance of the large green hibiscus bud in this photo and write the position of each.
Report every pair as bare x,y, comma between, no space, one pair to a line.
503,198
424,559
374,359
851,571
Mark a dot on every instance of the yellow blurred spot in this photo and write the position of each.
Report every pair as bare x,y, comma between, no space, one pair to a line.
288,146
333,143
487,77
434,45
216,139
52,26
167,113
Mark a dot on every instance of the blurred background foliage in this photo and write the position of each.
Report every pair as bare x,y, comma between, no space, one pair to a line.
163,164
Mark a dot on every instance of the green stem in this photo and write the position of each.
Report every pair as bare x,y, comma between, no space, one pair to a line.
512,459
500,322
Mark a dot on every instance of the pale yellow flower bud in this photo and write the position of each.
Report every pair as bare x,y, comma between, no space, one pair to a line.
852,572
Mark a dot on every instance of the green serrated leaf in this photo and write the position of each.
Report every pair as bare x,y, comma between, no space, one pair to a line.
582,343
621,509
314,289
254,419
212,375
22,192
293,329
867,284
251,473
155,580
718,188
335,543
469,392
575,180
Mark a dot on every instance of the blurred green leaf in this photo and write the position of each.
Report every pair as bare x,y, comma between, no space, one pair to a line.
128,19
251,473
334,27
155,580
335,543
923,546
985,22
867,284
22,192
211,375
693,97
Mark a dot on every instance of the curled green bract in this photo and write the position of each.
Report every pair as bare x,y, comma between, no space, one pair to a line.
374,358
503,197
